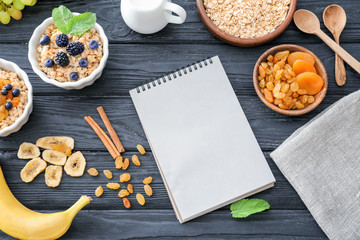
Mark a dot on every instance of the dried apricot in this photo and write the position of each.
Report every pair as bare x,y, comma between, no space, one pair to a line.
300,66
147,180
301,56
140,198
141,149
311,82
148,190
125,177
135,160
113,185
99,191
119,162
108,174
93,172
130,188
15,101
125,164
123,193
126,203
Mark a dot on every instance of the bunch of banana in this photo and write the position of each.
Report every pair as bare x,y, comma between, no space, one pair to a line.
20,222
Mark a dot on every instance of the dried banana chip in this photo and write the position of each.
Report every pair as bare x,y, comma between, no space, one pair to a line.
33,168
54,157
48,142
75,165
53,175
28,151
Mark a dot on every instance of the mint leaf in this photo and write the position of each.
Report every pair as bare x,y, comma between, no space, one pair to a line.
81,23
61,16
246,207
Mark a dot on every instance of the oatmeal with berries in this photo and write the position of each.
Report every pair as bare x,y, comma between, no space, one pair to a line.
68,58
13,98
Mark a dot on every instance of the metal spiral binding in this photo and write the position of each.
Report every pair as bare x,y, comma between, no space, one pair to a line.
178,73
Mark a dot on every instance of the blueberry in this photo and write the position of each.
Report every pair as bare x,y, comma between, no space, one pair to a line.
4,92
74,76
62,59
45,40
62,40
83,63
8,106
75,48
49,63
93,44
16,92
8,87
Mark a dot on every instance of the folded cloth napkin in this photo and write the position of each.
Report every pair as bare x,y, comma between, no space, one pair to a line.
321,160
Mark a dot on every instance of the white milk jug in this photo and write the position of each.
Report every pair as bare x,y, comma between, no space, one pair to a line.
150,16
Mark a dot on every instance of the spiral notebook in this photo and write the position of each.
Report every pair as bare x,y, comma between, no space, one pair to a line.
202,143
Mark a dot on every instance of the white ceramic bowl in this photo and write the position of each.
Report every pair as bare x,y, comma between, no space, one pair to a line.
84,82
10,66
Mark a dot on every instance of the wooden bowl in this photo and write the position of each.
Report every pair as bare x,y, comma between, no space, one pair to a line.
318,66
244,42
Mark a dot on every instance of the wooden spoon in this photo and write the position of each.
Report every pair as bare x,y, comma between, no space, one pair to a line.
334,18
307,22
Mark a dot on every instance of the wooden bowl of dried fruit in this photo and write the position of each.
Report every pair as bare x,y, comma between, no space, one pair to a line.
290,79
239,22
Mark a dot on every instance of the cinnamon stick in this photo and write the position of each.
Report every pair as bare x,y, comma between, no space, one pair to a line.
103,137
110,129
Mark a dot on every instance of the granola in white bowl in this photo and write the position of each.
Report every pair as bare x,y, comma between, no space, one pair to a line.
69,50
15,98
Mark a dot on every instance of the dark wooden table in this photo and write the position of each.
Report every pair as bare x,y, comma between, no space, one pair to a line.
136,58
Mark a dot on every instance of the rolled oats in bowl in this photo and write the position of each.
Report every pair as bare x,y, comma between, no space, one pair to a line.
13,98
68,58
247,19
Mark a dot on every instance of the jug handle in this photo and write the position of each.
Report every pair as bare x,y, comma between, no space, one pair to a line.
172,7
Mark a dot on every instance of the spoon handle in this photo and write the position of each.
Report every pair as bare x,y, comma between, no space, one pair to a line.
340,73
339,50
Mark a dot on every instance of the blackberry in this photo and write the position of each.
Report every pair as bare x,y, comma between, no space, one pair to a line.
62,40
62,59
75,48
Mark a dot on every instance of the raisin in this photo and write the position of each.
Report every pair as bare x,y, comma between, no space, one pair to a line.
108,174
125,177
135,160
148,190
125,164
99,191
130,188
141,149
126,203
147,180
123,193
140,198
93,172
113,186
119,162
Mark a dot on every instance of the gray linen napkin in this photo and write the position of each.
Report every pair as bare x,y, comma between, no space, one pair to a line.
321,160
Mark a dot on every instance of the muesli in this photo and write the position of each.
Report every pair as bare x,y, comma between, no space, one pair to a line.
247,18
13,98
66,53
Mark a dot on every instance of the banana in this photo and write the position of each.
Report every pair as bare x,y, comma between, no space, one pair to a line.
46,142
28,151
75,165
32,169
20,222
54,157
53,176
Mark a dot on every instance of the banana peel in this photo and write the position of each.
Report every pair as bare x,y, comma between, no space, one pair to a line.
20,222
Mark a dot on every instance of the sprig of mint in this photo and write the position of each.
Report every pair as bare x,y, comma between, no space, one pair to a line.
67,23
245,207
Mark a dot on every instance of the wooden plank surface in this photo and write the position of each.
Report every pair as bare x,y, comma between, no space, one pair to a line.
135,59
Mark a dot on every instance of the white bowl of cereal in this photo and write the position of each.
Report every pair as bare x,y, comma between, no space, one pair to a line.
16,101
55,64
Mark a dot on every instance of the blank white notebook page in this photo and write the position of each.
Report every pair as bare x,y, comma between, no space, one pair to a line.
202,142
